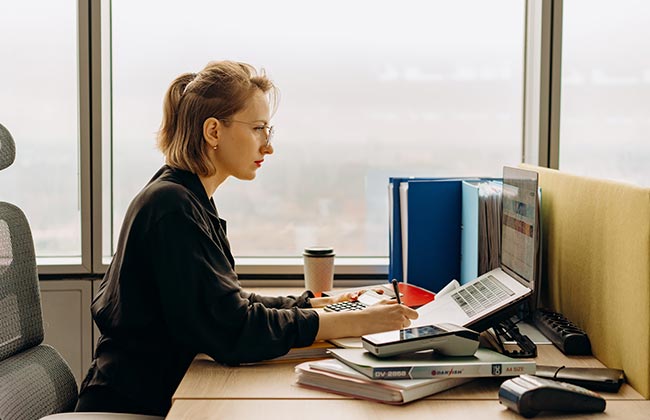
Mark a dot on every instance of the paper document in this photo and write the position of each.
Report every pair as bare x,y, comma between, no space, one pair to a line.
490,195
427,313
450,287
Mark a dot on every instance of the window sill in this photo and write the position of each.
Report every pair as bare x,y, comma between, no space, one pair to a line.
246,267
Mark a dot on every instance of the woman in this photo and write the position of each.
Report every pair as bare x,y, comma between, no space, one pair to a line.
171,290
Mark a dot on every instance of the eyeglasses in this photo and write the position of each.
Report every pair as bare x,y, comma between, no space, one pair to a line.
268,129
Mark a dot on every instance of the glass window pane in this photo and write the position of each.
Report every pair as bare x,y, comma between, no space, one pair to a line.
605,109
369,89
39,106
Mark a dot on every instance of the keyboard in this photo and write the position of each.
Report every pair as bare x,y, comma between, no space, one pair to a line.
481,294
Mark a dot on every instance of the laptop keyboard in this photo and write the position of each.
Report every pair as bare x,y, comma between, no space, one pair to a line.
481,294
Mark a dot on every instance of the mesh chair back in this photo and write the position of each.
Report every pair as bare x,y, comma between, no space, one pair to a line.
20,305
34,379
21,324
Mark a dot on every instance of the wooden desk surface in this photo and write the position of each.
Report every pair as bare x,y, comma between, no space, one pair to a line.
210,390
362,410
206,379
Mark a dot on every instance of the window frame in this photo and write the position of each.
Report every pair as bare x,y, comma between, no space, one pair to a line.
85,170
541,103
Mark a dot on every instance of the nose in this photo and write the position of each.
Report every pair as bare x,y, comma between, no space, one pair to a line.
267,149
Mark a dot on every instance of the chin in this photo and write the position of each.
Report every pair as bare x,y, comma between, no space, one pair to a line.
247,177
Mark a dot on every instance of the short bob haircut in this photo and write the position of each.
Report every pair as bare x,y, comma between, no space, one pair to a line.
220,90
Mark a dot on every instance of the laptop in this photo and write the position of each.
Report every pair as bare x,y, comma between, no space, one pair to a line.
497,294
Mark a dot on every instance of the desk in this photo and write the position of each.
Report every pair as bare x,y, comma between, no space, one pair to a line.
363,410
213,391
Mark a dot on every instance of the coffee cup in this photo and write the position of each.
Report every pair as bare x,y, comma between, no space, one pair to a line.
319,268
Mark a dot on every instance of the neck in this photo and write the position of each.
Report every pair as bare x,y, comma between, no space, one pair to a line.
211,183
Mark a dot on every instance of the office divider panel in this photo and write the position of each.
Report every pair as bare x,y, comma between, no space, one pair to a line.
596,260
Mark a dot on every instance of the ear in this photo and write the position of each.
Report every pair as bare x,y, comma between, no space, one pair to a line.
211,127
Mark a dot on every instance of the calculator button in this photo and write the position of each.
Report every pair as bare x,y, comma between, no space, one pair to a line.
346,306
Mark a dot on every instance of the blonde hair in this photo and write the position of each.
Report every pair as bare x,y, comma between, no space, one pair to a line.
220,90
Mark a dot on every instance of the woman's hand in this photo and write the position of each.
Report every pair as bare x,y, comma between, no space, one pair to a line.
343,297
383,316
386,315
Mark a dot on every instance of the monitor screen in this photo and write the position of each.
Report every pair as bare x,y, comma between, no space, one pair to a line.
519,224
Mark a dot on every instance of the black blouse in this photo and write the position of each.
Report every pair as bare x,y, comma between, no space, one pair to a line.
171,292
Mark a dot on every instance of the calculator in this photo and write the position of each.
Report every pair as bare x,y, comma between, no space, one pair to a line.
369,297
348,305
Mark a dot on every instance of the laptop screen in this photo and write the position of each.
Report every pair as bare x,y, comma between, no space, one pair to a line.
519,224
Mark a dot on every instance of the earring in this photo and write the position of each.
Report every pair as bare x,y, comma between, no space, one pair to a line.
215,147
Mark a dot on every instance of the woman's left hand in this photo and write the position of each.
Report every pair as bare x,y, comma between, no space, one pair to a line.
343,297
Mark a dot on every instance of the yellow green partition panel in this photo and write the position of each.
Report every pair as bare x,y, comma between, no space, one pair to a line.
596,265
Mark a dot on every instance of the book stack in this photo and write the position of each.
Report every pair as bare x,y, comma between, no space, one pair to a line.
404,378
334,376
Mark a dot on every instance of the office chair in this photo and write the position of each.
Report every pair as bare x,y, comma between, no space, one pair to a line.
35,381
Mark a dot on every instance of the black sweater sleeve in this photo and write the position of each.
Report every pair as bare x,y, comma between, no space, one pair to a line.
302,301
204,307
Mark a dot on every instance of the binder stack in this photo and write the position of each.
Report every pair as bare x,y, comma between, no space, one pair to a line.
441,229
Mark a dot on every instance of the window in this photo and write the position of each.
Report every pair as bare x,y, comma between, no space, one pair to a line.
39,106
605,97
369,89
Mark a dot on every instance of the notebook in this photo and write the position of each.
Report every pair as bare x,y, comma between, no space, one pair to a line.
486,299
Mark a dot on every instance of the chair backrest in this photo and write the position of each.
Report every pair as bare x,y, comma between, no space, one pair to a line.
34,379
20,304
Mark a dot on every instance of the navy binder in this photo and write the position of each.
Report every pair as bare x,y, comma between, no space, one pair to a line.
434,230
395,262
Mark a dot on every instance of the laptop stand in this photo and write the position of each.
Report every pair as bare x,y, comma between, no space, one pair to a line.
505,333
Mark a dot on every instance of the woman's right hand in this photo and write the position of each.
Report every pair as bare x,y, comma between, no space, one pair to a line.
385,316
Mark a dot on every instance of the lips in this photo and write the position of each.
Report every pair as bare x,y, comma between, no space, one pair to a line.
259,162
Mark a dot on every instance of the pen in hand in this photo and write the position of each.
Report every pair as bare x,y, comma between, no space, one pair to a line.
396,289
